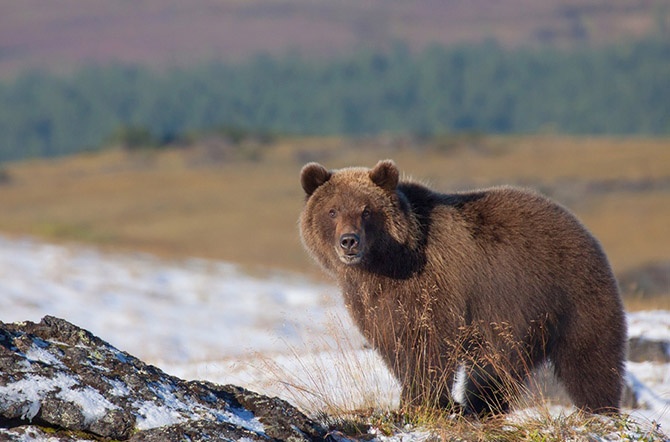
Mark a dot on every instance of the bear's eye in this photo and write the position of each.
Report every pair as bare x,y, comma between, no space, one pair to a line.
366,213
332,213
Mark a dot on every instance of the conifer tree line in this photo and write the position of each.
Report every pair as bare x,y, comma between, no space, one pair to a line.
619,89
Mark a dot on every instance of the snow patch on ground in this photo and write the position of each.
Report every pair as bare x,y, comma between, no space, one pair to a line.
184,311
652,324
651,380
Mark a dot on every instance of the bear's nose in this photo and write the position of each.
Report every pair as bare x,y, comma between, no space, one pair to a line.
348,241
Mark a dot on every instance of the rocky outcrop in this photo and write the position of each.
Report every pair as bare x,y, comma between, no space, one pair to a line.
61,383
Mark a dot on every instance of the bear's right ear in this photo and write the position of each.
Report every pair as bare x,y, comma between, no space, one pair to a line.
312,176
386,175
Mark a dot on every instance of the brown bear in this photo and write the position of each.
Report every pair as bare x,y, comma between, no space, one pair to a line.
464,294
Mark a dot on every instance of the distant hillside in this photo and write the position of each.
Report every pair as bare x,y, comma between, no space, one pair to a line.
619,89
61,34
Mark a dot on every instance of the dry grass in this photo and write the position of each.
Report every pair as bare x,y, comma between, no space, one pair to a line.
338,388
342,376
188,202
544,425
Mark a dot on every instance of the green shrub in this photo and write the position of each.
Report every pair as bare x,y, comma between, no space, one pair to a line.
133,138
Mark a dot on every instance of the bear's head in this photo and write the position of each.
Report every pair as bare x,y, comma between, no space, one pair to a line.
352,216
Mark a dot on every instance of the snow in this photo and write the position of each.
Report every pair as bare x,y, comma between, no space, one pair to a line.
652,325
651,380
184,311
30,389
94,406
119,389
152,415
279,334
39,354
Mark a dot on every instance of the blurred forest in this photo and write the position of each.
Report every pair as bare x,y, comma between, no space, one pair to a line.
474,88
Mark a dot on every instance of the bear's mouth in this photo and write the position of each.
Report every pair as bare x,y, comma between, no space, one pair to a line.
351,258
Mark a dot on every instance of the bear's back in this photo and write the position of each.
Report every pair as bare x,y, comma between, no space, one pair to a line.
505,215
511,244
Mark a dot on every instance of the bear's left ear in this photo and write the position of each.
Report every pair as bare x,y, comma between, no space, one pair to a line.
312,176
385,174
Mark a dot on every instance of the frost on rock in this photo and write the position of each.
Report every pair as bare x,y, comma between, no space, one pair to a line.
56,375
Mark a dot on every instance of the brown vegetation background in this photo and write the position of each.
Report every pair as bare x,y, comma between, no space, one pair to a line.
241,203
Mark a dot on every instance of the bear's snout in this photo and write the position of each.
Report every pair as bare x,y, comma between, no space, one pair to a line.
349,242
350,251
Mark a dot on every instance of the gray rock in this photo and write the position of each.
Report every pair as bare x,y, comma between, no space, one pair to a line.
61,382
34,433
641,349
199,430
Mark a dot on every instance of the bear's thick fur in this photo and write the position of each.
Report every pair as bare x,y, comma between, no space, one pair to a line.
464,294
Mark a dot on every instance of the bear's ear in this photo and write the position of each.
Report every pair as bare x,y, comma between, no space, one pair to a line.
385,174
312,176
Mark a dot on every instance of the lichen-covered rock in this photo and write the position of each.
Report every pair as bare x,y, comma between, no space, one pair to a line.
32,433
56,376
